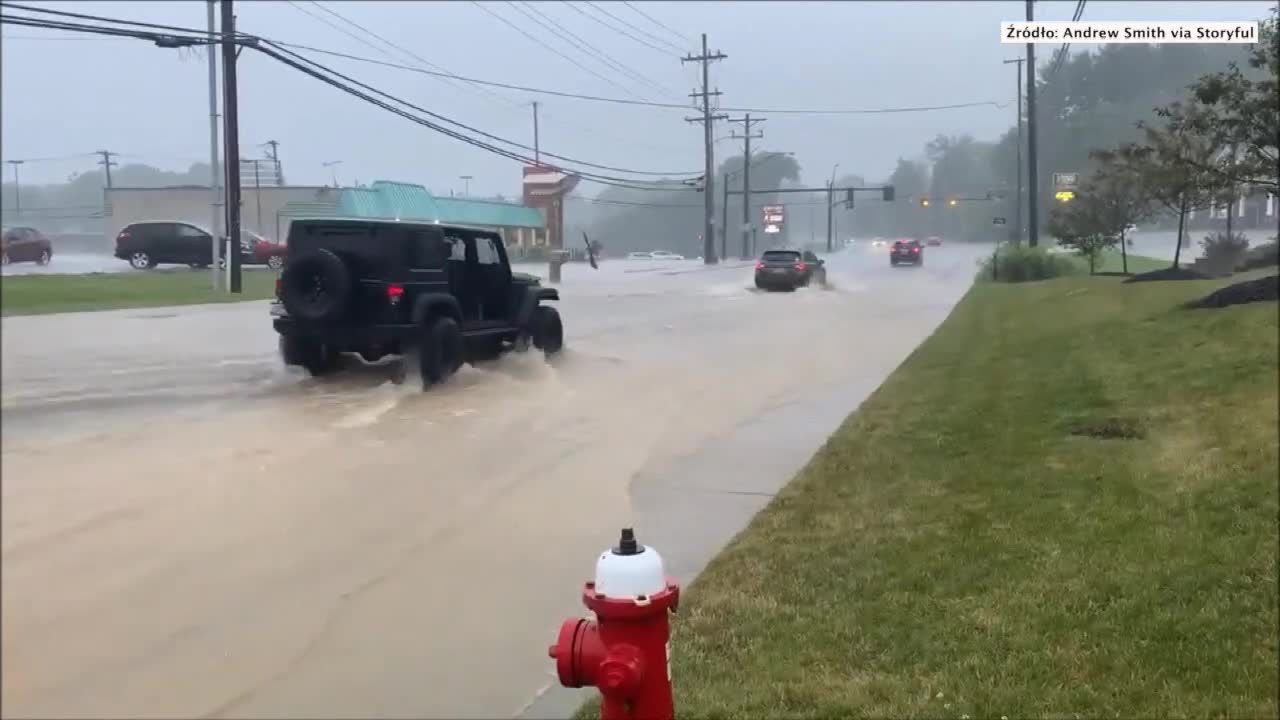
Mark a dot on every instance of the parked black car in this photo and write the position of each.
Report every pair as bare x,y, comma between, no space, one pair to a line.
906,252
148,244
789,269
443,293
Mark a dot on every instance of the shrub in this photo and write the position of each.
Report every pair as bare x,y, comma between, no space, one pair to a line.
1262,256
1220,247
1020,263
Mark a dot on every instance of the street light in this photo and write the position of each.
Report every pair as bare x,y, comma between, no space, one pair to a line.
332,165
466,179
17,187
953,202
924,202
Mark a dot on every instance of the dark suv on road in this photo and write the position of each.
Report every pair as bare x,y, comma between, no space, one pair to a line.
906,252
441,292
789,269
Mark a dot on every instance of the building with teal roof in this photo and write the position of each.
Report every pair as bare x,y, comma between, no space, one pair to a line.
520,226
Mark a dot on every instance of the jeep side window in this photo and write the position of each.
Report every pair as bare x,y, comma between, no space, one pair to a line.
486,253
426,250
457,248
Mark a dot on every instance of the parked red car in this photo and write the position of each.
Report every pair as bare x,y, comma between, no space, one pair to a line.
24,244
261,251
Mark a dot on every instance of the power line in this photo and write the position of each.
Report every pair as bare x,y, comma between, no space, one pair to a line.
579,43
1061,57
620,31
482,132
586,175
594,177
655,21
58,158
442,72
645,33
201,38
579,65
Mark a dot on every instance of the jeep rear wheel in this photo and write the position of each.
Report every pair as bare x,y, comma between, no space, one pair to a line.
548,330
315,357
440,354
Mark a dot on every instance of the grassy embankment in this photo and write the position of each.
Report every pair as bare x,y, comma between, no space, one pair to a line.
1063,504
42,294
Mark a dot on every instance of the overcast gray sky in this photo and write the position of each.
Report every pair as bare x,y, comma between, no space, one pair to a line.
62,96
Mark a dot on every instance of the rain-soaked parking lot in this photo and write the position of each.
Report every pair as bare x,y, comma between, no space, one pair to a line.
192,530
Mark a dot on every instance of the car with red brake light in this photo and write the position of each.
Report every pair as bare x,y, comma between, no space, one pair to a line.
906,252
789,269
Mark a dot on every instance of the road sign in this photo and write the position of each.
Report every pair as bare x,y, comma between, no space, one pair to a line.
1064,196
771,228
998,221
1065,181
774,215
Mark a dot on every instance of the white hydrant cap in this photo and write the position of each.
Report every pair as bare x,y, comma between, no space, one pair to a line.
630,570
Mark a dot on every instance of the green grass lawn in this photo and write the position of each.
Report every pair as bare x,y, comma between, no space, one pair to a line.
1111,262
40,294
1063,504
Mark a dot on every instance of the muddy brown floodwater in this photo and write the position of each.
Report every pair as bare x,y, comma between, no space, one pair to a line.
190,530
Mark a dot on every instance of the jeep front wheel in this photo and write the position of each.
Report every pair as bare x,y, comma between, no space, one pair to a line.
314,356
548,330
440,354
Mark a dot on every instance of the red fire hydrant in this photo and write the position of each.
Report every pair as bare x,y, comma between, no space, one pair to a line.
626,651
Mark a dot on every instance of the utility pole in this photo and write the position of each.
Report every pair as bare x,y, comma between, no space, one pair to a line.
708,181
257,192
537,154
273,152
1033,193
215,174
333,165
831,190
1017,226
17,187
467,180
231,142
746,137
724,220
106,162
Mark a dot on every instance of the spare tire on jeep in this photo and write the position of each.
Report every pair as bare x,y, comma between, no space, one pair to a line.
316,285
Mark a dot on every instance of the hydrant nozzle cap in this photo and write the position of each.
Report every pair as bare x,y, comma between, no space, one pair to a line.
627,543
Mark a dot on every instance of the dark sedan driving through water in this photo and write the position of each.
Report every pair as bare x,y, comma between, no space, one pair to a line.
789,269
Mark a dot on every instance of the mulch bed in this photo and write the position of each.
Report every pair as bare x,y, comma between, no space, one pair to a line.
1181,273
1261,290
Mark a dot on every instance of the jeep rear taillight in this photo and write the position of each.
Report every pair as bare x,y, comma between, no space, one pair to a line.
394,293
801,266
122,236
279,285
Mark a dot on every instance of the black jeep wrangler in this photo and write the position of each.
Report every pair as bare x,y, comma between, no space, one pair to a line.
443,293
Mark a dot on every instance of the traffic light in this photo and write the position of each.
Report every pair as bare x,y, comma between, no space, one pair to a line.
924,202
888,194
848,198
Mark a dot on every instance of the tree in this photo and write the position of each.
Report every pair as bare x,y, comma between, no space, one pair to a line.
1174,167
1241,113
1116,185
1085,225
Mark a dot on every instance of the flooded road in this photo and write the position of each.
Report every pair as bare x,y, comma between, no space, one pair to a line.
191,530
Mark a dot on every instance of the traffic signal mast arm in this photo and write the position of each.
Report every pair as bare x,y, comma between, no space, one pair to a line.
886,190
